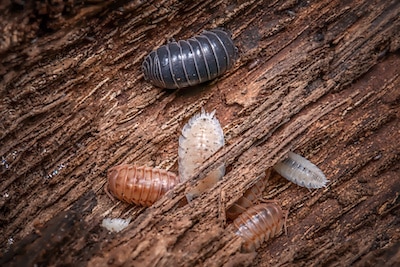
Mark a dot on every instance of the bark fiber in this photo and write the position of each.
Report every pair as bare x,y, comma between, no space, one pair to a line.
320,78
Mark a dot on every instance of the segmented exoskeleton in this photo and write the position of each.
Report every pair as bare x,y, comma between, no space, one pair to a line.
190,62
139,185
201,137
301,171
258,224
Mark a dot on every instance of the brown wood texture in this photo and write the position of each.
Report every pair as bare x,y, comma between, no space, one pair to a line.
320,78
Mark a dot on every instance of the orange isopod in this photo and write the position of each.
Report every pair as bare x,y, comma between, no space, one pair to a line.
249,198
139,185
259,223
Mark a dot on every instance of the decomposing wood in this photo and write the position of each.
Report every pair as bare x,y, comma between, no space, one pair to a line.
319,78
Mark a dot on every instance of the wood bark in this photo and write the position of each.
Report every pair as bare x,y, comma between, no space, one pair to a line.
320,78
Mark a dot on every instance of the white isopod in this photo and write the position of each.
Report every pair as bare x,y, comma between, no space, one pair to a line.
201,137
115,224
301,171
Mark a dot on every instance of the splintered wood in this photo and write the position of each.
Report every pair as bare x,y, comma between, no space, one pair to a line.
320,78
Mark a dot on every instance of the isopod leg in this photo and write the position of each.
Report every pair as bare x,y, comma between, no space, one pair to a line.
268,201
108,192
284,222
267,176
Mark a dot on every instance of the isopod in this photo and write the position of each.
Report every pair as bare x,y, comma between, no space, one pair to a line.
258,224
115,224
249,198
139,185
301,171
189,62
201,137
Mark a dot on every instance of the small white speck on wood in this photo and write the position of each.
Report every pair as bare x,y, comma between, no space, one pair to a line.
115,224
201,137
301,171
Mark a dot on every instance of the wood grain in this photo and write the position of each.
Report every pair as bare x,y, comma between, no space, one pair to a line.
319,78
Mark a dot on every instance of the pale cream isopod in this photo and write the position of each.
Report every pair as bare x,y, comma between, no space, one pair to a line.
301,171
201,137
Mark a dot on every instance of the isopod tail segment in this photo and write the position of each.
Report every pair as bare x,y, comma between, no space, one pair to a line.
108,192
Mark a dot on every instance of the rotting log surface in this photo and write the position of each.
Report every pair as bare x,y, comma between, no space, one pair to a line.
320,78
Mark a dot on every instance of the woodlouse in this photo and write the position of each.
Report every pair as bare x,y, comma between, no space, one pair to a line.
258,224
201,137
301,171
249,198
139,185
190,62
115,224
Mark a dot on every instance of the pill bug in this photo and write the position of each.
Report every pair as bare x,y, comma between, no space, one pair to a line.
249,198
301,171
258,224
201,137
189,62
139,185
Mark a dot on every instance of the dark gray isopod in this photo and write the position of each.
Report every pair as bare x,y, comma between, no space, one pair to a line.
189,62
